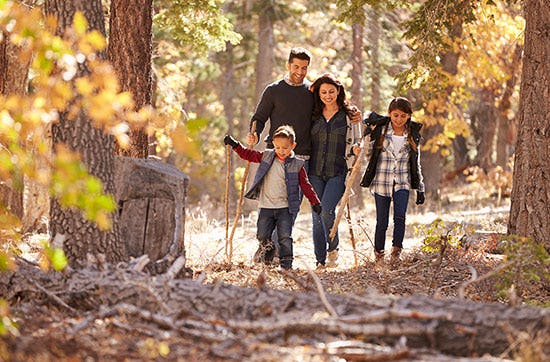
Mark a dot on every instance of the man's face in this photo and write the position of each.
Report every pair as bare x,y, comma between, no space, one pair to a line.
297,70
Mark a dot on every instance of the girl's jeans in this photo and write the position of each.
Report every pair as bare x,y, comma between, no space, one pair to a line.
400,201
330,191
280,220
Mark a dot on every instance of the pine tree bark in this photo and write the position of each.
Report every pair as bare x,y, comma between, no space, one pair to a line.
82,237
13,80
432,163
129,51
529,212
265,60
357,93
506,136
374,56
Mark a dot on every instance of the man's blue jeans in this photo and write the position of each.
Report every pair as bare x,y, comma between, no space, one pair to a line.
282,221
330,191
400,202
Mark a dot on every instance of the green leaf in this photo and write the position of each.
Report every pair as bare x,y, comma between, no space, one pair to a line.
58,259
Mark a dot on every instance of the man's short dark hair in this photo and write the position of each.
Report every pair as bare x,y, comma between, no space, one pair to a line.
300,53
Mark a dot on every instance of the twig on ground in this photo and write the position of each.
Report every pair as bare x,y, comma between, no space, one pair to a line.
322,295
54,297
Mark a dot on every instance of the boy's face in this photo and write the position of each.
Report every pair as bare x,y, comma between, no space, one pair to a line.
283,147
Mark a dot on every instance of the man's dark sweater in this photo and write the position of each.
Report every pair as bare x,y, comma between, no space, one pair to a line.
284,104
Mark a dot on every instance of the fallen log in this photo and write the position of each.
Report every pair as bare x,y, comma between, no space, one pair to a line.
252,316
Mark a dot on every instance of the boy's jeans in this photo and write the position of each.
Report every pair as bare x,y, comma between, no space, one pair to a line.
282,221
400,201
330,191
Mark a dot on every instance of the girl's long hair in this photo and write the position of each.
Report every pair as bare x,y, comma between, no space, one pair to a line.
318,105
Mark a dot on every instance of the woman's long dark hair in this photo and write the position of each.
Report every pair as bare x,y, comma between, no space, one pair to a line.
318,105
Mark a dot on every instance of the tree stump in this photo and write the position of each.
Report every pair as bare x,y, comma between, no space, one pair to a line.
151,197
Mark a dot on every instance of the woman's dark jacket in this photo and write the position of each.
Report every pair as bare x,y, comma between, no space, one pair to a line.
376,124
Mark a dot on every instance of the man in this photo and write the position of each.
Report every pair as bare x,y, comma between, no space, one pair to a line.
288,101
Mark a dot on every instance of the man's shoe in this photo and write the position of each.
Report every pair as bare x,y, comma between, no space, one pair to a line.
332,259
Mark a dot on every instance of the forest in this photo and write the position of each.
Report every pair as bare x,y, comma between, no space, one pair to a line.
124,234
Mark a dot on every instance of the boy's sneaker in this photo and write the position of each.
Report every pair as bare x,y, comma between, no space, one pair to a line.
332,259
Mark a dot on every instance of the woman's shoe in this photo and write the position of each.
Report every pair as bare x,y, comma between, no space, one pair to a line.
332,259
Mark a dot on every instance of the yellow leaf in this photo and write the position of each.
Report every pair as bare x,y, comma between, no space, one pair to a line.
80,23
84,87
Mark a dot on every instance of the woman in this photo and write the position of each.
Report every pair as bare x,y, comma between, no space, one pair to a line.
332,136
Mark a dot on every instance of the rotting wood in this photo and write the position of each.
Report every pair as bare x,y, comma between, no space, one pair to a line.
250,315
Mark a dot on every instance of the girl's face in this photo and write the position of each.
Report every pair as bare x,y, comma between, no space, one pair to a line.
283,147
399,118
328,94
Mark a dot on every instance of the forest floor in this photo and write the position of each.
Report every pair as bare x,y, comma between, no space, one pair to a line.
467,214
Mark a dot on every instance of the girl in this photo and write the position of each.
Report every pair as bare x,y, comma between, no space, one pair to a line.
393,170
332,136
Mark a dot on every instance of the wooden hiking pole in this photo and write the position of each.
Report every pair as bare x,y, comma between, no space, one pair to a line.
349,183
352,236
241,197
227,177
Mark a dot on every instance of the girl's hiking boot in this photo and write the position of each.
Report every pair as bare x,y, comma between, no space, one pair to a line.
395,255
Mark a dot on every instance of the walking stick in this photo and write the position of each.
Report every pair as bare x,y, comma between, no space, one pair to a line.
241,197
349,183
227,176
352,236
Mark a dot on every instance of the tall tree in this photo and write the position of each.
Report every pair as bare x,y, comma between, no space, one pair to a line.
13,80
374,35
129,51
266,58
529,212
82,237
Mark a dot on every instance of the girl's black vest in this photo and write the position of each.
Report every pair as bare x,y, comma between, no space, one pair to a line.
376,124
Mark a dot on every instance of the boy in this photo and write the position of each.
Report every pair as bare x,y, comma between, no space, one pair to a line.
276,187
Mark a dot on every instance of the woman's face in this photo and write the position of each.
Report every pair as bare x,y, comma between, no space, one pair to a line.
328,94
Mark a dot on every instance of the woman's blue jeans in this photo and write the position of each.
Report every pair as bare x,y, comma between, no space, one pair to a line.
282,221
400,202
329,191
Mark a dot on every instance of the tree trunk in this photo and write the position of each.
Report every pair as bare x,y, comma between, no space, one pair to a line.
432,163
357,94
484,117
506,138
266,44
82,237
13,80
129,51
254,316
374,56
529,212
